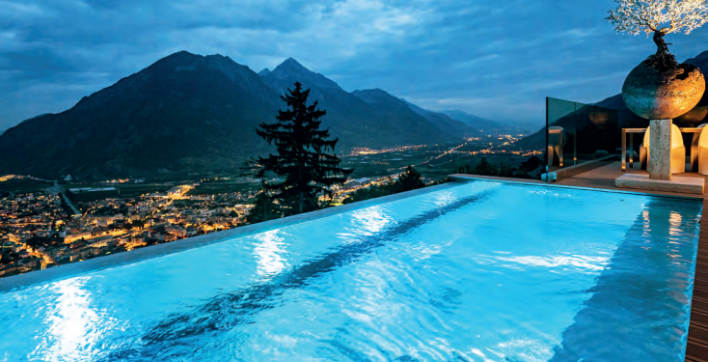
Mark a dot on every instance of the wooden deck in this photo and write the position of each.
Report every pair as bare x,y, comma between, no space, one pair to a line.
697,348
604,178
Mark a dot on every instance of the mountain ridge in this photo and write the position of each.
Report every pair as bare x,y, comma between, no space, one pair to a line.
189,113
111,131
444,122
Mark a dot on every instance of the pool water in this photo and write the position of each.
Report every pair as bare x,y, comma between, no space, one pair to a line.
482,271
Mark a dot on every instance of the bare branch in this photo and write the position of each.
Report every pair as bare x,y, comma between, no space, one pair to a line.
664,16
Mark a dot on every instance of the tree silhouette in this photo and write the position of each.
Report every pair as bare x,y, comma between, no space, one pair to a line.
265,207
301,155
485,168
409,180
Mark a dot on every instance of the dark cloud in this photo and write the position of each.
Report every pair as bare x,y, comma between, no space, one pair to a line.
494,59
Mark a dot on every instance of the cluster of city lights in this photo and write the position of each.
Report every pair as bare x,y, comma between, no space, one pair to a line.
362,151
21,177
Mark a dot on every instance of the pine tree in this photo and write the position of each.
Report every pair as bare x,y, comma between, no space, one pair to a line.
302,155
485,168
409,180
264,208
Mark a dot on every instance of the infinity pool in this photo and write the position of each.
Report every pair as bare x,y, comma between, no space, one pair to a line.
479,271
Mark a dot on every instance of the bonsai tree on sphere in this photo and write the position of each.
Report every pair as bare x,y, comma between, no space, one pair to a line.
660,17
659,87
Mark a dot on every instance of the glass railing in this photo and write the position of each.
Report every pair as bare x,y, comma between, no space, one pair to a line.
577,133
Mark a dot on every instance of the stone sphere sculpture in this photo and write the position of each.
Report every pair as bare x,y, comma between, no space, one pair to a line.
693,118
652,94
696,116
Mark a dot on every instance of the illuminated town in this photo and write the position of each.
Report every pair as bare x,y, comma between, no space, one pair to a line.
38,230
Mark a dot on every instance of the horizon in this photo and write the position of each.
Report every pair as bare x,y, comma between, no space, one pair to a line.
427,53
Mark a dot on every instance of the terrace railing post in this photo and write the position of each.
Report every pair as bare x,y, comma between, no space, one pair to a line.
624,150
575,147
631,150
561,148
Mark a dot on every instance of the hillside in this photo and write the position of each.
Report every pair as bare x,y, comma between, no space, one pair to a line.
405,116
183,113
444,122
358,120
484,125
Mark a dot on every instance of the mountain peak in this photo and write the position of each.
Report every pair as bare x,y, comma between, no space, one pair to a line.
292,63
291,71
264,72
184,61
184,57
182,54
291,66
702,56
701,61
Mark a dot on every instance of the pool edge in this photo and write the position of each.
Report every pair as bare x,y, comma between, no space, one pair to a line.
532,182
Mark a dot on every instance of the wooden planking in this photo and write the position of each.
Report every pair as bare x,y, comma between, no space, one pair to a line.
697,347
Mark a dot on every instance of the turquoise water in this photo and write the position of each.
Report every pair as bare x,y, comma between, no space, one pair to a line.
483,271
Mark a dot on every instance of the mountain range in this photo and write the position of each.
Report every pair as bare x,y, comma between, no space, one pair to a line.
189,113
482,124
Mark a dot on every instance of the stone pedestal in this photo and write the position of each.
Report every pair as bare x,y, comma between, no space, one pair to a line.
680,184
659,165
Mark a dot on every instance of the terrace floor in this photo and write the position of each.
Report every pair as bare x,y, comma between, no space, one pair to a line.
604,178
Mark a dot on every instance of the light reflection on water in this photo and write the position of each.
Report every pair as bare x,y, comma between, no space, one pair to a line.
270,253
596,263
74,329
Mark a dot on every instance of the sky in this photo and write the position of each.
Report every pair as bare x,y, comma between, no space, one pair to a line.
494,59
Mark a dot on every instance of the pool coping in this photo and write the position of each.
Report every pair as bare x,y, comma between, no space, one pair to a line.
463,178
57,273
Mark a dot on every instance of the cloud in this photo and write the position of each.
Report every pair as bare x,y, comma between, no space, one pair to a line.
478,60
494,59
13,9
